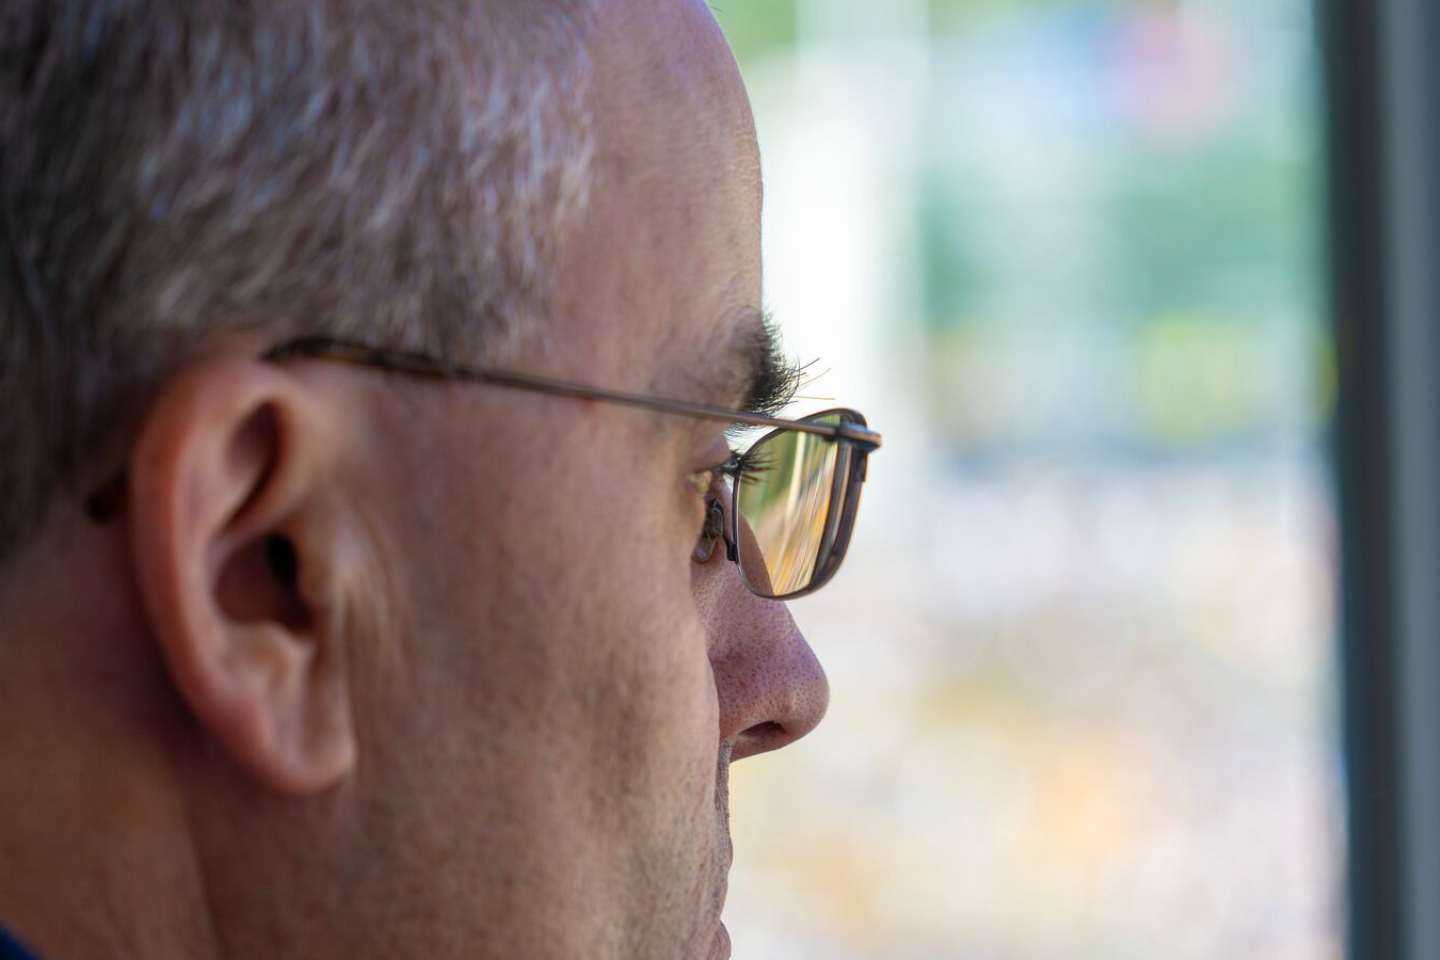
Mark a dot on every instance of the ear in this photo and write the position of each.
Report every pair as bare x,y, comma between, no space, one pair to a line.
236,561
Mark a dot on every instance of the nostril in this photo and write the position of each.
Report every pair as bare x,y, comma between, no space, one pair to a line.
768,734
761,738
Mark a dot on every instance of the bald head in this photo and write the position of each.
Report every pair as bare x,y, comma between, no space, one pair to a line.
675,175
672,93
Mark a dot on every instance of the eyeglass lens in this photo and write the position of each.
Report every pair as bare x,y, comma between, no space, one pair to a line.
789,500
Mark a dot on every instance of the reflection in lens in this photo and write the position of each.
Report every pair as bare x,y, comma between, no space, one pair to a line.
784,504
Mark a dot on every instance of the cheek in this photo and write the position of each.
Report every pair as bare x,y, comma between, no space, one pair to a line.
663,672
665,707
540,695
603,574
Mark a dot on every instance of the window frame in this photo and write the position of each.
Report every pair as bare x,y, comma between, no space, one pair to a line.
1385,298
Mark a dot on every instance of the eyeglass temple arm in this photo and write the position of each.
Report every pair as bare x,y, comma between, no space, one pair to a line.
419,365
106,502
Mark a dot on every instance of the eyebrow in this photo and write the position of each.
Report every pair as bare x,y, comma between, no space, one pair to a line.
747,369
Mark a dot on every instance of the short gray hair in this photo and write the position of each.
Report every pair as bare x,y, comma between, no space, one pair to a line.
171,170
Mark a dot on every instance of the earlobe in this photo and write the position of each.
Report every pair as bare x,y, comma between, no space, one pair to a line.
231,532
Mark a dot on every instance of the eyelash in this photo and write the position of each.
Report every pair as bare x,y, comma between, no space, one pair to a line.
741,466
741,463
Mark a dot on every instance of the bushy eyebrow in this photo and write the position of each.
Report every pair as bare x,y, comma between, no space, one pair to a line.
749,370
774,375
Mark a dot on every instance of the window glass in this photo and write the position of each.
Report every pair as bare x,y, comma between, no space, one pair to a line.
1064,255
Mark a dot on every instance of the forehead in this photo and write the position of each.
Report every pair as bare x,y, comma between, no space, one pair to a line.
668,259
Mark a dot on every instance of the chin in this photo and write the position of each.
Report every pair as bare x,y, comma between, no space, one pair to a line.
720,946
713,940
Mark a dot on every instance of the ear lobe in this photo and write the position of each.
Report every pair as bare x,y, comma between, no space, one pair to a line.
235,559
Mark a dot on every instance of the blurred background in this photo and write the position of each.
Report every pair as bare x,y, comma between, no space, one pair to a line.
1066,255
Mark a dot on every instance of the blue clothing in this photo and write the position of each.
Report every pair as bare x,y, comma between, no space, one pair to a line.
10,950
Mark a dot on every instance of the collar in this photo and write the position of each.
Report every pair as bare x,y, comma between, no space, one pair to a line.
11,949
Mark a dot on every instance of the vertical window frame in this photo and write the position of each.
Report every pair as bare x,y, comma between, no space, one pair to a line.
1385,269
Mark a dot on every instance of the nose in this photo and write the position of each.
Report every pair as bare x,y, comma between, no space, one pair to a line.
771,687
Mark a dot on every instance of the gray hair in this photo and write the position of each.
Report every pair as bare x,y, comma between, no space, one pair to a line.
172,170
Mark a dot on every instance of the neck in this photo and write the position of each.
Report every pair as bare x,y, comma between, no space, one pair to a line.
94,834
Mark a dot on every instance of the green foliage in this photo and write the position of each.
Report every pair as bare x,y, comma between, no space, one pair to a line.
957,16
952,276
1228,226
757,28
1199,378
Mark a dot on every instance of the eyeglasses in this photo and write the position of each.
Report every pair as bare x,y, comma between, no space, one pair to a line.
792,496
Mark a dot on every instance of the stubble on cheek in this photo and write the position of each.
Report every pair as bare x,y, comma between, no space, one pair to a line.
724,850
654,798
711,879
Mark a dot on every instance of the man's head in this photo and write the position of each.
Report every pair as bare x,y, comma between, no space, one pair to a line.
369,665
